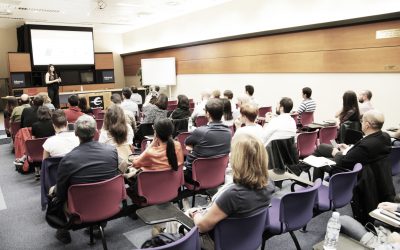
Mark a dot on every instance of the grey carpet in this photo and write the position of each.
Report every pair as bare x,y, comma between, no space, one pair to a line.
2,132
22,224
5,140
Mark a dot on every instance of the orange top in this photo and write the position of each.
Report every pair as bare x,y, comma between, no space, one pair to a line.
155,158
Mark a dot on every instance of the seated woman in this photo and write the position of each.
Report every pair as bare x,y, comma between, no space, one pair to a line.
158,111
350,110
43,127
227,117
84,106
182,110
249,163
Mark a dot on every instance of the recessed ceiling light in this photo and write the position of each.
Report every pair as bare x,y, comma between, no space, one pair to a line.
143,14
172,3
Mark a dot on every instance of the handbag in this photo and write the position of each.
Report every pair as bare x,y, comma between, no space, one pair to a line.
55,215
161,240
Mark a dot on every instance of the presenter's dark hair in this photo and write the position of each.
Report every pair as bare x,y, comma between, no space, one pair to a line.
43,113
115,124
287,104
59,119
215,109
126,92
73,100
350,101
307,91
54,72
164,129
183,102
162,102
249,89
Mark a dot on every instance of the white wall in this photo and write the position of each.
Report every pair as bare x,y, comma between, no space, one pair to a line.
327,89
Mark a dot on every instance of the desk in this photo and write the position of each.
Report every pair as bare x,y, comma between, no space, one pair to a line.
287,176
164,213
344,243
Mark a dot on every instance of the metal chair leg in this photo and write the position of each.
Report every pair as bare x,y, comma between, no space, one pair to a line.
295,240
193,200
103,238
91,235
304,229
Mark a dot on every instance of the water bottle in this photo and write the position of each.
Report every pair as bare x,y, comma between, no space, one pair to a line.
190,124
332,232
147,144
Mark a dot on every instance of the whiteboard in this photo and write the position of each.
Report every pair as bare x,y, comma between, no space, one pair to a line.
158,71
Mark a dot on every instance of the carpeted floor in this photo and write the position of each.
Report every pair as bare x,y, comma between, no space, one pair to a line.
22,224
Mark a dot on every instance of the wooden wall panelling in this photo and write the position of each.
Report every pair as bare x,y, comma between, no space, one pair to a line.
19,62
98,86
103,61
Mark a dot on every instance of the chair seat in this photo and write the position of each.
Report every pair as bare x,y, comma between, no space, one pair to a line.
274,225
323,198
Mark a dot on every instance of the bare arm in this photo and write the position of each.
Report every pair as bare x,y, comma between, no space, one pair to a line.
45,154
47,79
207,221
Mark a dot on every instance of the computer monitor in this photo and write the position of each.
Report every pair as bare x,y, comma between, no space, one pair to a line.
87,77
70,77
18,80
107,76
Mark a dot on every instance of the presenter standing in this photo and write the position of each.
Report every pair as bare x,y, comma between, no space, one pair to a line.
52,82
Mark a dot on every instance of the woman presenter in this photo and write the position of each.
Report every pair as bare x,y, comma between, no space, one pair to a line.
52,82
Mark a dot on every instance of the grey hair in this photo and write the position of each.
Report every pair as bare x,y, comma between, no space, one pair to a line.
85,128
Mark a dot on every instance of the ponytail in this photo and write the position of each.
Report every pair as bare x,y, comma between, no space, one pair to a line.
171,154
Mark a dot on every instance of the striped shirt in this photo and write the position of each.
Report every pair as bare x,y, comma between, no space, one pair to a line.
307,105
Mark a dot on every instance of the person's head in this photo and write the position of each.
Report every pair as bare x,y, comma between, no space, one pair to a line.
134,90
249,90
285,105
153,99
73,101
157,88
83,105
46,98
51,68
116,98
205,95
163,129
43,113
24,99
115,124
372,121
249,161
85,128
248,112
216,94
37,101
214,109
306,92
59,119
365,95
183,102
349,102
228,94
242,99
162,102
126,93
227,109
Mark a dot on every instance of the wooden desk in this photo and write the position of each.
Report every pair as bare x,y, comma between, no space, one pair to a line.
344,243
287,176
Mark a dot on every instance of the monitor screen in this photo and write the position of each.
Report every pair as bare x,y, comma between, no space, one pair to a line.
87,77
70,77
107,76
18,80
62,47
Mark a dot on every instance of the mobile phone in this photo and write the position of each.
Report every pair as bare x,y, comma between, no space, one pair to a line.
334,144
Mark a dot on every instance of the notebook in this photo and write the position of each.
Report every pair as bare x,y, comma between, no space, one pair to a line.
318,162
386,216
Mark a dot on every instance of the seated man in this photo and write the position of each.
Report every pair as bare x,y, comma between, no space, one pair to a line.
308,104
199,108
373,147
210,140
248,116
73,112
127,103
89,162
17,111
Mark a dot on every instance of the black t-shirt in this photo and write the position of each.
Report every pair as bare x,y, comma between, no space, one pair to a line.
238,201
42,129
28,117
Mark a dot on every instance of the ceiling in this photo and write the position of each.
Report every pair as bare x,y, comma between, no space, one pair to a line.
117,16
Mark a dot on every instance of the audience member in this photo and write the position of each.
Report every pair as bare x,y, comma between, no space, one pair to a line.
154,92
43,127
129,116
282,126
248,116
89,162
73,112
229,95
182,109
47,102
83,105
29,114
210,140
365,101
199,108
216,94
250,92
350,111
63,141
308,104
242,99
17,111
127,103
227,117
158,111
136,97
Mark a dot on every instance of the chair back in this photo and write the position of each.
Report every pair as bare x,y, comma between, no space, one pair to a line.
172,102
98,201
15,127
306,118
394,158
294,216
7,123
34,149
159,186
180,125
341,187
172,107
343,129
99,123
181,139
143,144
306,143
263,110
209,172
96,111
240,233
201,120
191,241
294,116
101,115
232,129
327,134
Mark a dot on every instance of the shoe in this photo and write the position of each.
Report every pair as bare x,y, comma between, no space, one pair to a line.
156,230
18,162
37,177
63,236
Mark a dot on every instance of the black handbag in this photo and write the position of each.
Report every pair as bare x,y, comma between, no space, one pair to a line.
55,215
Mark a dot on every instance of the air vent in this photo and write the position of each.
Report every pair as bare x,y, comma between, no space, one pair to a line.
38,10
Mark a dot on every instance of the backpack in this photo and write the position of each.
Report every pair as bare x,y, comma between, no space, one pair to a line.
161,240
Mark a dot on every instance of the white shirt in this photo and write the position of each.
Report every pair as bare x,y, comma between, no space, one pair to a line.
254,101
61,144
199,109
136,98
106,138
280,127
365,106
128,104
255,130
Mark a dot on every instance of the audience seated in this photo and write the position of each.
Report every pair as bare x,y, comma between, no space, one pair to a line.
83,105
228,94
209,140
182,110
89,162
154,92
365,101
216,93
73,112
157,111
248,116
43,127
127,103
227,117
47,102
17,111
249,89
136,97
129,115
199,108
241,100
308,104
63,141
29,114
282,126
350,111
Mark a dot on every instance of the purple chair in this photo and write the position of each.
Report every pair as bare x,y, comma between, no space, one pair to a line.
306,118
201,120
94,203
207,173
189,241
394,158
34,149
240,233
327,134
263,110
172,107
286,215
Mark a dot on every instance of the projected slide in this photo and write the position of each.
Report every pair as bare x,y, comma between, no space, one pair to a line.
62,47
159,71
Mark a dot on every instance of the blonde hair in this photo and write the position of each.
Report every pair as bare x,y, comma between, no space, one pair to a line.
249,161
